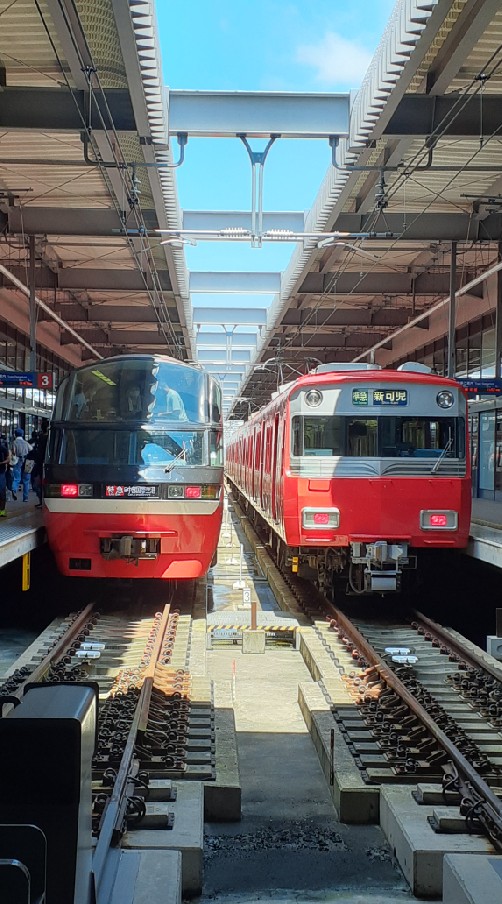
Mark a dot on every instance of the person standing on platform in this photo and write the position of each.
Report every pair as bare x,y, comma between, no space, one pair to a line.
4,463
19,450
38,457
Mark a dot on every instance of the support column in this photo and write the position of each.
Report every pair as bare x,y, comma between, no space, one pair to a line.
452,311
498,319
33,306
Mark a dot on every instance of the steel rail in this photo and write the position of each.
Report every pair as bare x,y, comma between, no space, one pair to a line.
56,651
119,788
461,763
469,656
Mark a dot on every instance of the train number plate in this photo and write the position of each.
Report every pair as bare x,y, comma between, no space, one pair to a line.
139,491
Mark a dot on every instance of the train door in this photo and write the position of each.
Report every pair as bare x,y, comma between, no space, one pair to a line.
273,466
267,470
474,437
279,469
257,464
262,464
486,460
498,454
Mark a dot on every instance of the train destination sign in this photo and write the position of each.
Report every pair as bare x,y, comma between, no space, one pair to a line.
137,491
14,379
484,386
363,397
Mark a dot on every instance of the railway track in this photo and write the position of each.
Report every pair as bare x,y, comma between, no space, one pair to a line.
426,706
420,703
155,723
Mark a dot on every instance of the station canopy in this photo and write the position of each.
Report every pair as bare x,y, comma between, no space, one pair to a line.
88,145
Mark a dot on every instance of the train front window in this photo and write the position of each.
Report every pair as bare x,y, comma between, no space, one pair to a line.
379,437
422,437
141,390
318,436
138,448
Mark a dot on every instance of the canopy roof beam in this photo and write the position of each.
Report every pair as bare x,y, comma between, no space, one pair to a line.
246,282
379,283
231,317
258,114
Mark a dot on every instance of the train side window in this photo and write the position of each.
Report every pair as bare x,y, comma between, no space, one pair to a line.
297,436
56,445
215,448
215,402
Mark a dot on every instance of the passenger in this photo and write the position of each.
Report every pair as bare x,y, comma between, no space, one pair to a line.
30,458
39,456
79,403
133,401
4,464
175,407
19,450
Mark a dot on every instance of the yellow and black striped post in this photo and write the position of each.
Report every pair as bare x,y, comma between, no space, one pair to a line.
25,580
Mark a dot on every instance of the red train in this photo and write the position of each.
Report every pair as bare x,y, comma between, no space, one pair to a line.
356,471
134,470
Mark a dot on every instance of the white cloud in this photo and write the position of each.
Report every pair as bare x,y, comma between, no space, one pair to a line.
335,60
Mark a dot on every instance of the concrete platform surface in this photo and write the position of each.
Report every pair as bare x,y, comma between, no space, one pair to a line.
187,835
472,879
142,877
290,845
21,531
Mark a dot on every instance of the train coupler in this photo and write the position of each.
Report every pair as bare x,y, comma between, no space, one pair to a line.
130,548
383,562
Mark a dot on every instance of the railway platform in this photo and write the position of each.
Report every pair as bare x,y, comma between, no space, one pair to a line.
485,541
21,531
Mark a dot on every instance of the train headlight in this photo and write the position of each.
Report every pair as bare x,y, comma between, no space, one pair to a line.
445,398
438,519
175,491
313,398
320,518
69,490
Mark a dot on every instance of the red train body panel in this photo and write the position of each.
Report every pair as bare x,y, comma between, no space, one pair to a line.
133,479
355,471
186,543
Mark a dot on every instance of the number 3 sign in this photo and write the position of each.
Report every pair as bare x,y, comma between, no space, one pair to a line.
45,381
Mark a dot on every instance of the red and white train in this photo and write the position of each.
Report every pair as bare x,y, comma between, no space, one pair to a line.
356,471
133,478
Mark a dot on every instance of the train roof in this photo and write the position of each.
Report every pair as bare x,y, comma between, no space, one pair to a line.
168,359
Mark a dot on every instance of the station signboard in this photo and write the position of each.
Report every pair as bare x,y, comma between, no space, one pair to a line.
14,379
489,386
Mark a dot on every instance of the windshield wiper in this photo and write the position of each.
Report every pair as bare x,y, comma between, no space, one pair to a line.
444,451
181,456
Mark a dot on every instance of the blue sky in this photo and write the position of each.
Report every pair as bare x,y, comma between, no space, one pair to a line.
261,45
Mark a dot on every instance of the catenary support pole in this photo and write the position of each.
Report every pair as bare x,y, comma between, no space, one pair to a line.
33,306
452,311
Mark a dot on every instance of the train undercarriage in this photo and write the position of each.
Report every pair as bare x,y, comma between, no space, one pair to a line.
380,567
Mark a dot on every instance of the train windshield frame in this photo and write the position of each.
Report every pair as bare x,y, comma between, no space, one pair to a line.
142,448
378,437
147,390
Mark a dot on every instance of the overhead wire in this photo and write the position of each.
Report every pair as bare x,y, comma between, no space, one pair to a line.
373,216
157,299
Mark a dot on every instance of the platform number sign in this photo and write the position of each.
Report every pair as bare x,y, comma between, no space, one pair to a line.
45,380
14,379
246,596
